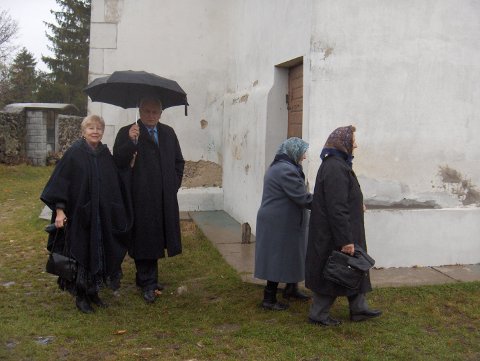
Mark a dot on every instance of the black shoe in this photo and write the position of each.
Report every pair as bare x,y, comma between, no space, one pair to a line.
83,305
327,322
364,315
149,296
96,300
291,291
277,306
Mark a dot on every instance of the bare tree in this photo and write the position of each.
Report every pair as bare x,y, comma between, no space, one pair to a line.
8,30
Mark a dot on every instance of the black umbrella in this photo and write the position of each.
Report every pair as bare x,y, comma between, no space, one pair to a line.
126,88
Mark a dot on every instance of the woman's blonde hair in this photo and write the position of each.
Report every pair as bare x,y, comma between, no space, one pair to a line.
92,119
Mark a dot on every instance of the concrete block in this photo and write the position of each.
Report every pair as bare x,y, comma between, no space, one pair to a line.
200,199
414,276
464,273
96,63
103,36
432,237
98,11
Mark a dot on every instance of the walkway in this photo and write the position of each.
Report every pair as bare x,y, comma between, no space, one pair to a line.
225,233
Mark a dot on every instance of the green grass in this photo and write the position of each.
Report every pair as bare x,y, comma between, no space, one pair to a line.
217,318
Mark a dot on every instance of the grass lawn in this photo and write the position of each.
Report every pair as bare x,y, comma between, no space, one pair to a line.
216,317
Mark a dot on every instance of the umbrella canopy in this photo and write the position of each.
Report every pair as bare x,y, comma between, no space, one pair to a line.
126,88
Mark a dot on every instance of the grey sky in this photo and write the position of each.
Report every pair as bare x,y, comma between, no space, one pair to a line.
30,15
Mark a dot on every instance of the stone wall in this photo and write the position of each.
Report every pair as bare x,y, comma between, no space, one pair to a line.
12,138
68,130
23,137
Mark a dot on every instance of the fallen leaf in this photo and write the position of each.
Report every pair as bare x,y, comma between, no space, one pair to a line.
120,332
158,292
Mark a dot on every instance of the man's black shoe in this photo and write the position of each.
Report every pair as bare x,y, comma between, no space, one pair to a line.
364,315
83,305
149,296
327,322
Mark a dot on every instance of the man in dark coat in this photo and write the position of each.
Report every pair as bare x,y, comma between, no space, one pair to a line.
336,223
153,152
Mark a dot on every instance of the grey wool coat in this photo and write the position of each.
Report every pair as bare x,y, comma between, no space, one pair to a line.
336,220
281,224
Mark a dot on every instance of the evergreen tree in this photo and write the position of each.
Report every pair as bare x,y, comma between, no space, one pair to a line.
70,46
22,79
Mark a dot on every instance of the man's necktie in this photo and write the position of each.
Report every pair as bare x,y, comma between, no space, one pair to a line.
152,135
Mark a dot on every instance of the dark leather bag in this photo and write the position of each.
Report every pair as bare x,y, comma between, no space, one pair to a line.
348,271
62,266
59,264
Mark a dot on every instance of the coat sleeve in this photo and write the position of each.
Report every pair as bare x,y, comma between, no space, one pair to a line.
56,190
336,192
179,162
123,149
294,187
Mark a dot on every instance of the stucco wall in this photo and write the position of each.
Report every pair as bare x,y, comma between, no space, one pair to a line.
407,74
263,34
182,40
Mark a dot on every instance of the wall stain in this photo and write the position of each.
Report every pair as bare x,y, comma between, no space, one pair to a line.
242,99
203,124
457,184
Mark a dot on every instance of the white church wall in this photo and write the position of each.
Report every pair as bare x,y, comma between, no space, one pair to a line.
190,48
262,35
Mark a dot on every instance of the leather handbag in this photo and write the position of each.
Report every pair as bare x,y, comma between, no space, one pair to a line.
59,264
348,271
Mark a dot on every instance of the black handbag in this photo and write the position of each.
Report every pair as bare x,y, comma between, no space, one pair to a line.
348,271
60,265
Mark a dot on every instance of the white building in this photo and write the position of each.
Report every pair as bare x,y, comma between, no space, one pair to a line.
405,72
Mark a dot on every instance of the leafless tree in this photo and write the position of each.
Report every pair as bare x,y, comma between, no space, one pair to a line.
8,30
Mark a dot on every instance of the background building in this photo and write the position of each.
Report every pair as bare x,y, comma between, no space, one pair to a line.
405,72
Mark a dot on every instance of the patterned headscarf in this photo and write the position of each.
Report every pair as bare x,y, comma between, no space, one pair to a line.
341,139
294,148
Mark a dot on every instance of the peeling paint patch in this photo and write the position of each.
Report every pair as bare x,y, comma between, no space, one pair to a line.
242,99
255,83
403,204
457,184
319,47
327,52
203,124
247,168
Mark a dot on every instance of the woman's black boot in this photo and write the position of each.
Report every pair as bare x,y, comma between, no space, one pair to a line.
270,301
291,291
82,303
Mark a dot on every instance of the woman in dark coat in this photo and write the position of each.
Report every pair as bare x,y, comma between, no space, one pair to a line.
281,225
336,223
85,197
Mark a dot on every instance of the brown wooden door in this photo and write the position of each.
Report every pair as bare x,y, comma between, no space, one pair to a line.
295,101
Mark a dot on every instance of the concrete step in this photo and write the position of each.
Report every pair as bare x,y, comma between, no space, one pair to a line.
225,233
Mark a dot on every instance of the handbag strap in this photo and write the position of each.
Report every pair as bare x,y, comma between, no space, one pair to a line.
65,244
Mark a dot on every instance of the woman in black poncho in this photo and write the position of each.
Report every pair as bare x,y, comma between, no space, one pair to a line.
88,210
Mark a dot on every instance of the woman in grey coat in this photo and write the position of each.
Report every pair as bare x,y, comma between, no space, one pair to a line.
281,225
336,223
